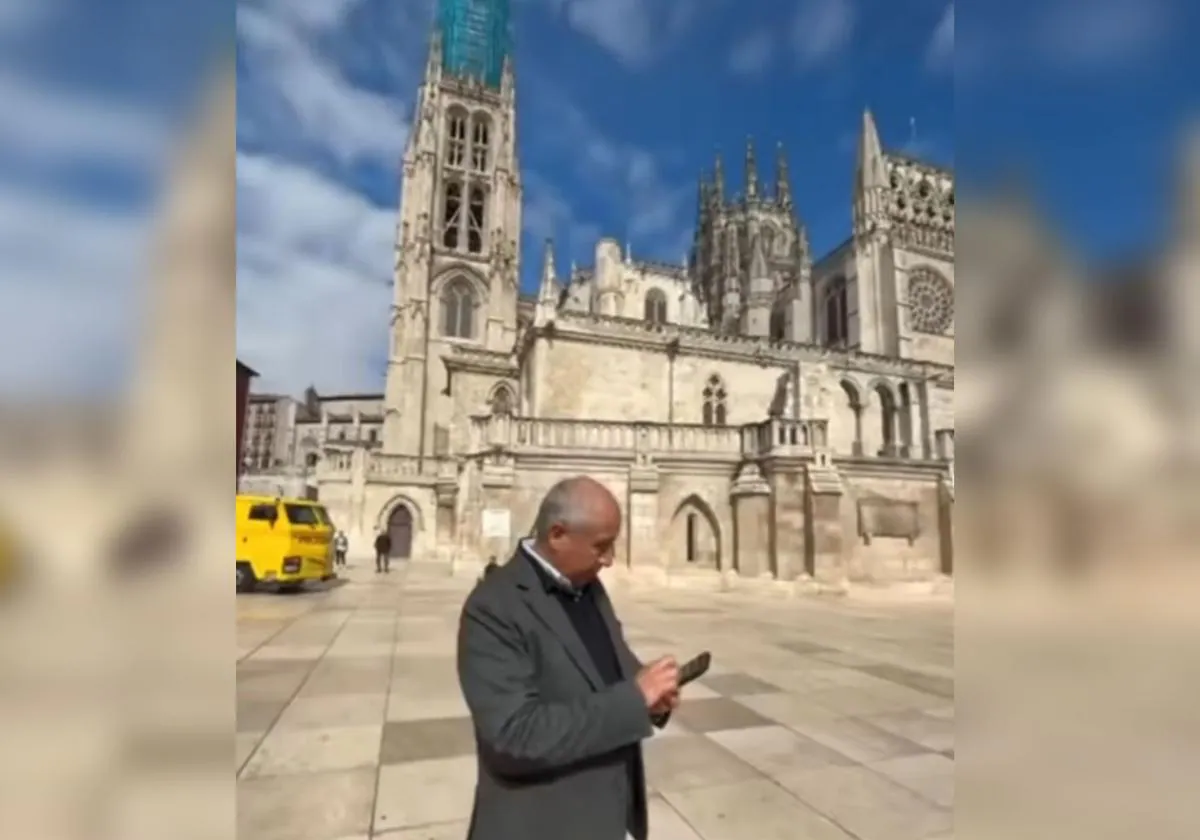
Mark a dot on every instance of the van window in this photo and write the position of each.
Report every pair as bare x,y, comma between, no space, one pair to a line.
322,515
262,513
301,514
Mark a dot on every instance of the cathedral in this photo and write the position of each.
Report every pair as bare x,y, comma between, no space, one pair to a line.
760,412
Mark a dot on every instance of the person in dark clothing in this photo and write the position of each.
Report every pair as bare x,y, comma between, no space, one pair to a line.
383,552
559,702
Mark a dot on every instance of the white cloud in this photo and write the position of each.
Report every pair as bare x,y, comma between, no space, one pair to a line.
630,177
289,89
71,273
635,32
752,54
71,280
1103,34
310,14
821,29
58,125
939,55
20,17
314,278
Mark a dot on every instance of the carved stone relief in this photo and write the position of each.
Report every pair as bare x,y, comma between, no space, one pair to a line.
879,516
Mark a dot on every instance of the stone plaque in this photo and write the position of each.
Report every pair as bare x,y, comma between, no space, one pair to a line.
881,517
497,524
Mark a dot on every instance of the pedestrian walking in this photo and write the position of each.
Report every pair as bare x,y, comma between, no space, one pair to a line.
383,552
559,702
340,546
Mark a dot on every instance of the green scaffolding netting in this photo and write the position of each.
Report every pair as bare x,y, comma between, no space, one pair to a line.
475,38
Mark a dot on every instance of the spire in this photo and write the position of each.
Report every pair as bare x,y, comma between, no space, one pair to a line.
475,39
548,292
758,260
783,187
751,171
870,179
718,185
870,154
549,287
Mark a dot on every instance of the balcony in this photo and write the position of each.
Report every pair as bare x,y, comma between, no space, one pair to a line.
775,437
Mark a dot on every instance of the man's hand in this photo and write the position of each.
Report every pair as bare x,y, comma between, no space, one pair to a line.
666,705
659,681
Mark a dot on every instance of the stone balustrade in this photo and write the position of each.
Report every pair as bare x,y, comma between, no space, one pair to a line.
780,436
339,464
776,436
539,434
385,468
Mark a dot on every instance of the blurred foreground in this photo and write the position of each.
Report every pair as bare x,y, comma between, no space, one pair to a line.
1078,494
117,623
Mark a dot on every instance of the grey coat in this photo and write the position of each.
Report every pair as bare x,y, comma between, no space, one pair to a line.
546,725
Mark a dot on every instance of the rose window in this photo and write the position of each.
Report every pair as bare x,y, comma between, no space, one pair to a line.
930,302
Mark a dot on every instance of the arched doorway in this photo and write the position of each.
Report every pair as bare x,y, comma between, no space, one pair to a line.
694,536
400,529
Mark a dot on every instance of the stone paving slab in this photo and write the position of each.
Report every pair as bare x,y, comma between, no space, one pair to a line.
818,720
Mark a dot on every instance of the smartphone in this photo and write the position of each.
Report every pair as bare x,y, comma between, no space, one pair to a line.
694,668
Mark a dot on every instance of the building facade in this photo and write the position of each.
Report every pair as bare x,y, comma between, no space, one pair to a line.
241,400
270,430
757,411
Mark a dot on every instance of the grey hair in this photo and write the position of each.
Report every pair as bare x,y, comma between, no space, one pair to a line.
565,505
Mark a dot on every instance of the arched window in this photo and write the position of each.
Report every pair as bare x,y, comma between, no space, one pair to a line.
502,402
480,137
778,324
656,306
714,402
458,309
475,216
456,138
837,319
452,214
887,420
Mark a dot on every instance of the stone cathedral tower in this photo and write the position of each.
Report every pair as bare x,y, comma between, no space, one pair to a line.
458,239
750,262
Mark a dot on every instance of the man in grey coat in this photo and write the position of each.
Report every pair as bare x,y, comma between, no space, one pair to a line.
559,701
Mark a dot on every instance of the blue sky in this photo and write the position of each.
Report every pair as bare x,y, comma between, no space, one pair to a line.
622,103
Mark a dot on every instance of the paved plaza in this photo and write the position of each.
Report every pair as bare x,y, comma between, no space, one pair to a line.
819,719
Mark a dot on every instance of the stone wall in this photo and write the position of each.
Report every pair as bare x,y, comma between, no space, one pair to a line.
765,501
892,528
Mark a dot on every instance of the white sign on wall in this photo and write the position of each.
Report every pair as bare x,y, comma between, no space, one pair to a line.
497,524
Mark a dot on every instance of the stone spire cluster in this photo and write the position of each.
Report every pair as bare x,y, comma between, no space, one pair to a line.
750,252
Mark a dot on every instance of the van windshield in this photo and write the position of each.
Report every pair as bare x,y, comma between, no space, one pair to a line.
301,514
322,515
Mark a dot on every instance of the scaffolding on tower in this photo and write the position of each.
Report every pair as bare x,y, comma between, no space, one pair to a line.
475,38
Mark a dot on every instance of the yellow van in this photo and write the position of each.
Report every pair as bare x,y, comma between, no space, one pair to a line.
282,542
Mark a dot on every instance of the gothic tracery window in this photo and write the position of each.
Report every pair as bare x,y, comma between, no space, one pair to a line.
714,412
458,309
456,138
656,307
930,302
452,214
480,137
836,312
475,214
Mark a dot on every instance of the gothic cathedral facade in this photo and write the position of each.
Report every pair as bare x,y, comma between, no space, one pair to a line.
760,413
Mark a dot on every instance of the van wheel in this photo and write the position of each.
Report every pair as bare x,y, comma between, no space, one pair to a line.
245,578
